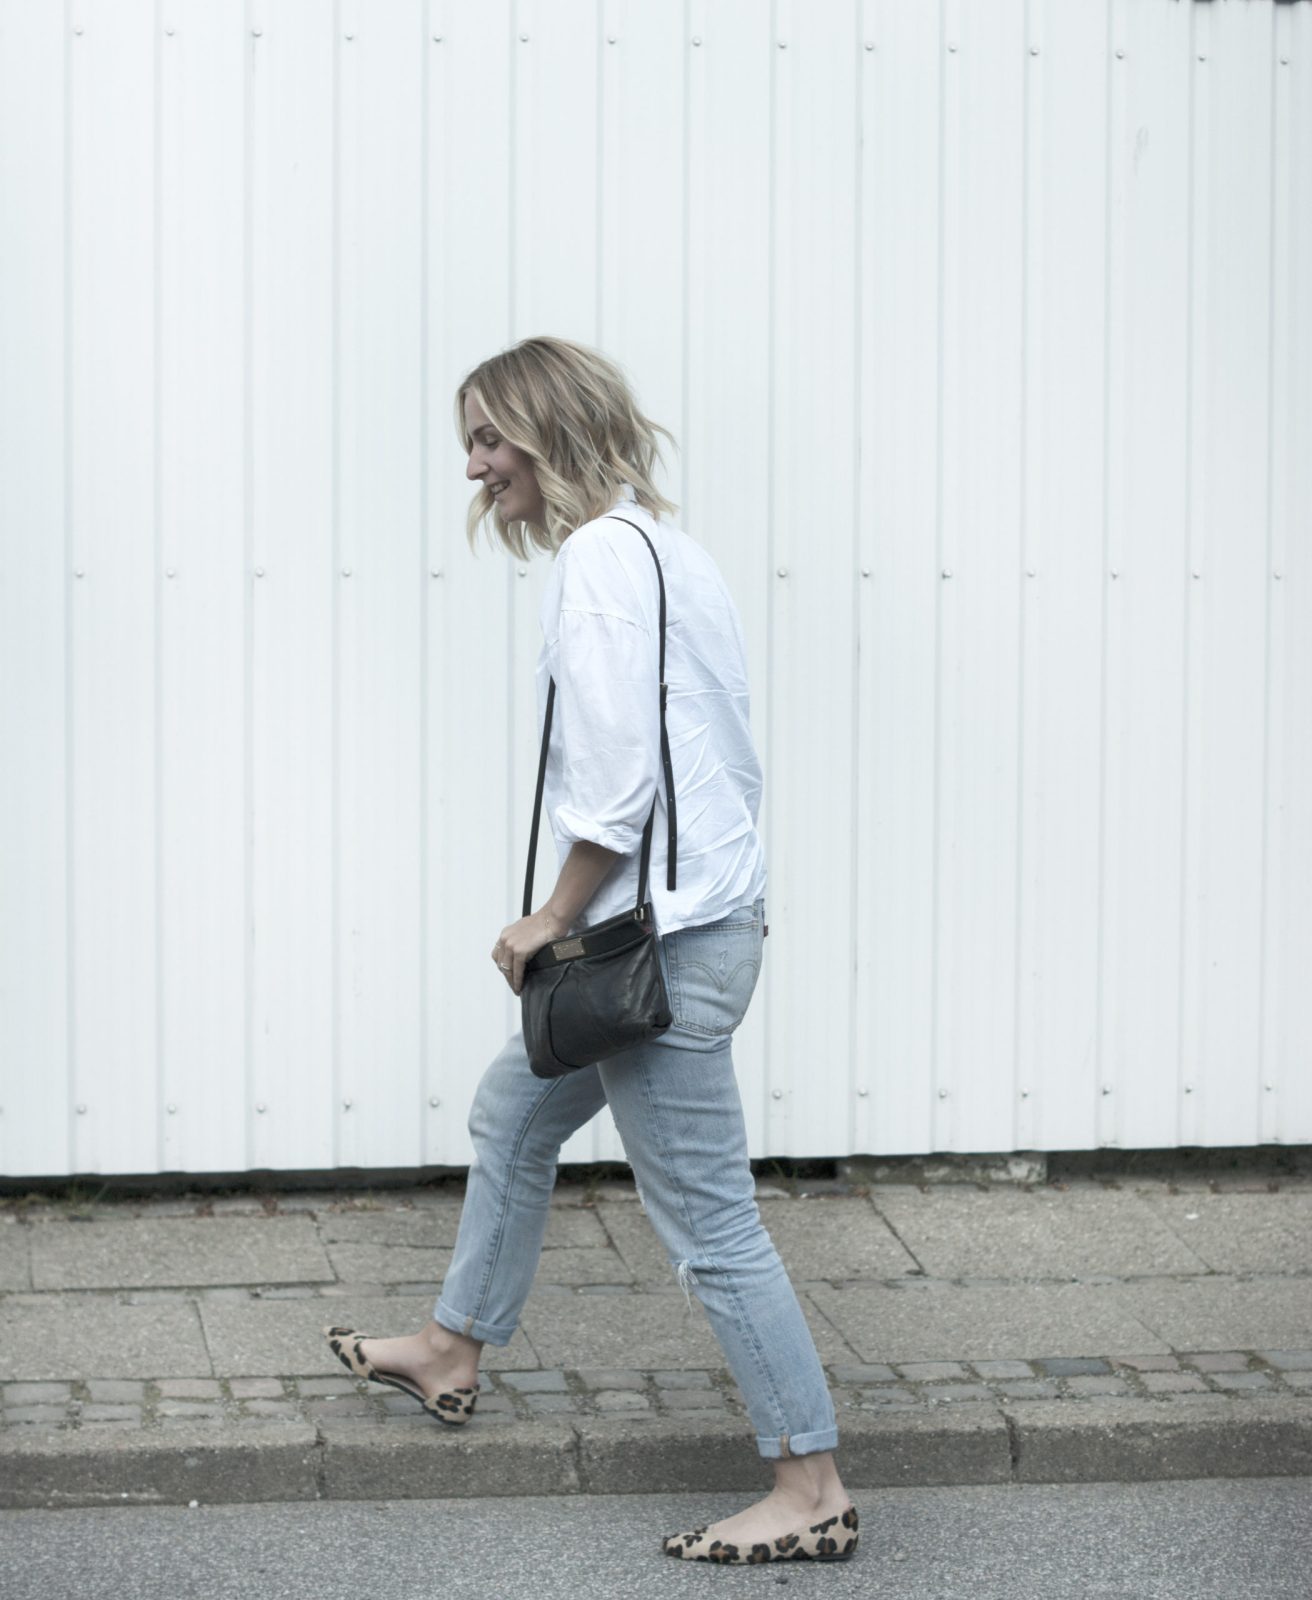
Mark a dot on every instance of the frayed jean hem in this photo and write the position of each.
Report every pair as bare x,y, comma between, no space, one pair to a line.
779,1446
472,1327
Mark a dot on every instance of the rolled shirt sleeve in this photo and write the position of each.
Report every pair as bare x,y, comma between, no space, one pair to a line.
607,696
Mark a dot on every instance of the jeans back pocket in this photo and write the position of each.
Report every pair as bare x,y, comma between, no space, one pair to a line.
713,969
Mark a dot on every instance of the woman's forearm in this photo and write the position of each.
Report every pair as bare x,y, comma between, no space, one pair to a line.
581,876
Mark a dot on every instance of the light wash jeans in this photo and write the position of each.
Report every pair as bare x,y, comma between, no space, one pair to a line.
675,1102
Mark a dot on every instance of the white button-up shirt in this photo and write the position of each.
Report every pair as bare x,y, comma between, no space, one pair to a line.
600,616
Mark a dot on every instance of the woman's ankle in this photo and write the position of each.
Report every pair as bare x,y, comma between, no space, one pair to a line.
809,1479
442,1341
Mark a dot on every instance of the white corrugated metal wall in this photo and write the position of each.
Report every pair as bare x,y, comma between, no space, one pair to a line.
985,332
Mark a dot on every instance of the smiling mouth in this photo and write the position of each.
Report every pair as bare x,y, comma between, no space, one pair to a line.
496,488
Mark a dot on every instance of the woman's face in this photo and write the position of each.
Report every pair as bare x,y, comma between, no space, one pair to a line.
503,468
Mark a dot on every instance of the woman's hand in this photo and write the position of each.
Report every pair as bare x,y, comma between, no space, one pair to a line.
523,939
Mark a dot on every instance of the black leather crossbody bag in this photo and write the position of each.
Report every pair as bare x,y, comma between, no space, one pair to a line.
588,997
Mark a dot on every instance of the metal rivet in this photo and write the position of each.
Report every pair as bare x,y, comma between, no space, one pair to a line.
78,29
260,1106
696,38
1029,572
172,1109
1197,574
1034,49
783,572
1188,1088
437,38
942,1094
783,44
349,37
1276,574
258,31
1284,61
259,572
523,38
1024,1094
346,572
168,572
81,1111
1202,57
346,1105
870,44
952,46
80,570
610,38
863,1092
947,572
437,572
1106,1088
1115,574
776,1094
169,31
865,572
523,572
1120,55
433,1100
1269,1087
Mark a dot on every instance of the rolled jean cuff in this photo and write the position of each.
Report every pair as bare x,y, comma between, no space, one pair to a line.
471,1327
798,1444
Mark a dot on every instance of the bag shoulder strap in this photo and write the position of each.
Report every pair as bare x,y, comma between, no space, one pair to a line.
671,876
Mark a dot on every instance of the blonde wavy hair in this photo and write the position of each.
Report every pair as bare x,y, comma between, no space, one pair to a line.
571,411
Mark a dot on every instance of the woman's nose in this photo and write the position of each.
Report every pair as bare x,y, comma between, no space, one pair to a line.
474,468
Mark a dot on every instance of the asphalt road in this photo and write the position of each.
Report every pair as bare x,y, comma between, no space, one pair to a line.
1212,1540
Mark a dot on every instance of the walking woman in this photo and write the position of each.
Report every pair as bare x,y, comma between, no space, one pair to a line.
564,461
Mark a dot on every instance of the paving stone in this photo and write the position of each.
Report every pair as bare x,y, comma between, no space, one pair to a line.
653,1330
271,1388
612,1378
536,1382
428,1230
1003,1369
275,1408
190,1388
1298,1380
1173,1383
629,1230
1091,1384
1220,1313
1150,1363
15,1270
1259,1232
893,1395
574,1227
1288,1360
116,1389
958,1391
1028,1389
490,1403
289,1291
188,1408
1071,1366
1059,1319
1244,1381
341,1405
109,1413
691,1399
1219,1361
19,1394
871,1372
157,1252
81,1336
1011,1233
374,1264
46,1413
551,1402
322,1386
928,1371
682,1380
287,1335
621,1400
837,1237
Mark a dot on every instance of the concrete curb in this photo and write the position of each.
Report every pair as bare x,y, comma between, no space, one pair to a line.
1033,1441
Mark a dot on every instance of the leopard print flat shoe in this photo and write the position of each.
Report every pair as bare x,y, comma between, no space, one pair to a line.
452,1406
834,1539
